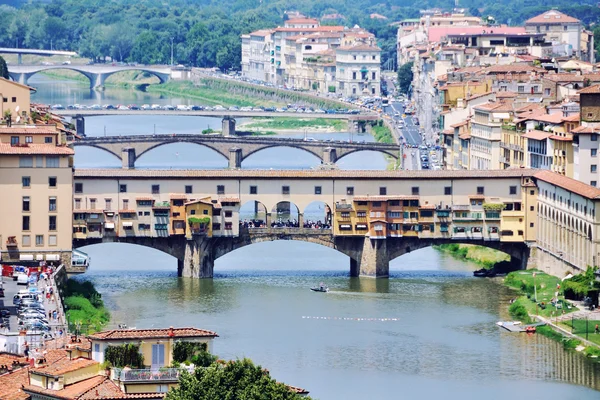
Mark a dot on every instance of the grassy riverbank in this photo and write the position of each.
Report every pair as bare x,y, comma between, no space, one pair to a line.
482,255
125,79
382,133
296,124
543,287
84,307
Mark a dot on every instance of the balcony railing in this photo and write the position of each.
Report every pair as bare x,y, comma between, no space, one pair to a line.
146,375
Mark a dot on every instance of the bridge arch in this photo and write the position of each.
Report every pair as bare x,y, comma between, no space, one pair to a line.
253,214
284,213
88,75
317,211
216,149
385,152
109,151
275,145
162,78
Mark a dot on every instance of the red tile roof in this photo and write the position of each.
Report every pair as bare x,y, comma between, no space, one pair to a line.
570,184
29,130
178,196
537,135
144,198
505,94
595,89
435,34
229,199
585,129
63,366
458,125
551,17
384,198
360,47
561,138
516,68
296,21
124,334
11,384
32,149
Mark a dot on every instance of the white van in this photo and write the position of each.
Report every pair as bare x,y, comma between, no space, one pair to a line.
22,279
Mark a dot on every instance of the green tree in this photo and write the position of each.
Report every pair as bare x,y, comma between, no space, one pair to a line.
239,379
3,68
405,77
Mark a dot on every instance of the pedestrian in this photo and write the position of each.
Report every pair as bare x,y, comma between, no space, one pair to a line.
49,314
596,330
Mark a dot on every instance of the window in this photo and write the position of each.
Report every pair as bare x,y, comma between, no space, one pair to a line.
382,191
354,58
373,75
415,190
52,223
517,207
39,161
28,139
593,183
531,208
228,226
253,189
14,99
594,152
594,137
79,188
125,204
228,214
52,181
93,204
26,204
52,240
376,204
532,192
317,189
521,89
26,240
140,213
448,190
520,233
48,139
78,204
26,181
285,190
26,161
26,222
593,168
513,190
107,204
480,189
52,204
220,189
39,240
360,214
14,140
155,189
354,73
188,189
378,227
373,57
350,190
52,162
122,188
531,224
345,214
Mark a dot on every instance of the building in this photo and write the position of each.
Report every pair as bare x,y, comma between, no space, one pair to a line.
358,70
486,134
15,99
36,205
564,32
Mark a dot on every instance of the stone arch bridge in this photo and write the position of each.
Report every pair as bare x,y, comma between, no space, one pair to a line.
97,74
234,149
368,257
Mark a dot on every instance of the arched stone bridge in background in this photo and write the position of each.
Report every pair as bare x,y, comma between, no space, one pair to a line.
234,149
97,74
196,257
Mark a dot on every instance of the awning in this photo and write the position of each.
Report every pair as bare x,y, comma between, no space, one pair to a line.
127,224
26,257
361,226
52,257
345,226
39,257
109,225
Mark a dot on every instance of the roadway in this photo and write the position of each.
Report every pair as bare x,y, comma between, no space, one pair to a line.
215,113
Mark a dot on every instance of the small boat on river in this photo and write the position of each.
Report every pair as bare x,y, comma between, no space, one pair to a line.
322,289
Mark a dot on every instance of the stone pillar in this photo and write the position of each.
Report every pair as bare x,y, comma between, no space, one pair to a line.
374,261
128,158
228,125
180,268
199,259
355,127
80,125
268,219
97,81
301,220
22,78
235,158
329,155
354,267
20,59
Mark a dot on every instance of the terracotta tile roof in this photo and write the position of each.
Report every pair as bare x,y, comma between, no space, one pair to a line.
595,89
205,200
67,342
561,138
8,359
261,32
296,21
384,198
11,384
144,198
505,94
229,199
465,136
496,107
566,78
106,389
518,68
360,47
448,132
585,129
435,34
476,196
529,108
29,130
552,17
458,125
97,173
537,135
178,196
69,392
318,29
33,148
555,118
427,207
127,211
297,390
124,334
63,366
572,118
478,95
570,184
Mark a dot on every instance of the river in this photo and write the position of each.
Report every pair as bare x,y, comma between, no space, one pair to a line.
429,331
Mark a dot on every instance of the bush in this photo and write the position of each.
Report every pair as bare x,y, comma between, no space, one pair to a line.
124,355
518,311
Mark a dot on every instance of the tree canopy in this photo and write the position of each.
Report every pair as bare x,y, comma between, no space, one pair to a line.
240,380
405,77
3,68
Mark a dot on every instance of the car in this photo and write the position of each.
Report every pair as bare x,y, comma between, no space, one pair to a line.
145,107
22,279
110,107
182,107
66,62
57,107
168,107
37,326
155,107
219,107
4,313
196,108
270,109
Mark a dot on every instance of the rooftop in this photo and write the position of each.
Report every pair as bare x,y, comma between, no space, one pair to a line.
118,173
11,385
570,184
595,89
436,33
33,149
552,17
62,366
537,135
29,130
166,333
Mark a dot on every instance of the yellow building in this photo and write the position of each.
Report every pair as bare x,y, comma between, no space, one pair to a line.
199,217
15,99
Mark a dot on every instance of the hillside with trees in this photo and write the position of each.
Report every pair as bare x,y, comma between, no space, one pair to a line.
206,33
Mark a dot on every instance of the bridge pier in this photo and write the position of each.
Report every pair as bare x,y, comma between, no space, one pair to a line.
19,58
374,260
97,80
80,125
199,259
329,155
128,158
235,158
228,126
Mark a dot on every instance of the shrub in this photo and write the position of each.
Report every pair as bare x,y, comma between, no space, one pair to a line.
518,311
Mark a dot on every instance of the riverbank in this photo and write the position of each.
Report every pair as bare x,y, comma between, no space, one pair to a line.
288,125
125,79
85,310
542,299
481,255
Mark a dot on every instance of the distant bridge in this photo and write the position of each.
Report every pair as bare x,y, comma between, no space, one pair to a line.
234,149
97,74
37,52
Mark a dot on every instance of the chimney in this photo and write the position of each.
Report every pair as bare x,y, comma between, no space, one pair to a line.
171,332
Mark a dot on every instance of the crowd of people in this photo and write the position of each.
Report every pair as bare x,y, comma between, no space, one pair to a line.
280,223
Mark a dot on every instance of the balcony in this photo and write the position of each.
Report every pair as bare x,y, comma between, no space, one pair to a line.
146,375
492,215
443,213
11,241
459,207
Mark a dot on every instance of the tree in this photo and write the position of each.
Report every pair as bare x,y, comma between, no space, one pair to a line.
3,68
239,379
405,77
